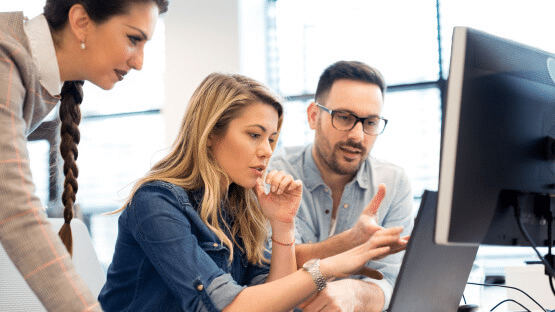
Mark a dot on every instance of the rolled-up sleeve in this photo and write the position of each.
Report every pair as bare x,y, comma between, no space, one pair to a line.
165,234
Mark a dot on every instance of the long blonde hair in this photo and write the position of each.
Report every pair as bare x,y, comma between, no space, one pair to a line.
218,100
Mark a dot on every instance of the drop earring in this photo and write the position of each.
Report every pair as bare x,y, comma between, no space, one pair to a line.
82,45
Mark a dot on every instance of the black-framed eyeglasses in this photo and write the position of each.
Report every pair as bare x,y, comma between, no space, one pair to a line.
344,121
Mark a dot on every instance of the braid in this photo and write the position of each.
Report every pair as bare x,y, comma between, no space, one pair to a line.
70,115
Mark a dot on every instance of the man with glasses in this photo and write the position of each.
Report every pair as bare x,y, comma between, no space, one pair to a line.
347,194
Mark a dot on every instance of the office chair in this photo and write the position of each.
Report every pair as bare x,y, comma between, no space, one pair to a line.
15,294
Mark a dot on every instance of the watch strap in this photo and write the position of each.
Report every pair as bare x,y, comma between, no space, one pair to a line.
317,277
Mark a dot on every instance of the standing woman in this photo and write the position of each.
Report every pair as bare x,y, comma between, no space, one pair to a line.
193,233
44,61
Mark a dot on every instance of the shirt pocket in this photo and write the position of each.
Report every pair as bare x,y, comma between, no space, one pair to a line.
218,253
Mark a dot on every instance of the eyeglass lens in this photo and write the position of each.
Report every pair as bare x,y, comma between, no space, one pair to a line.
345,122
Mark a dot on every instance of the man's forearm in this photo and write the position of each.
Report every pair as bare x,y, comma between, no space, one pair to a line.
327,248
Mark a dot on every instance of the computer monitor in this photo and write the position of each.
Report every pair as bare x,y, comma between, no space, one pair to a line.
497,149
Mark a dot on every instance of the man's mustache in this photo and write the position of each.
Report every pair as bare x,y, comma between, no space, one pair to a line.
353,145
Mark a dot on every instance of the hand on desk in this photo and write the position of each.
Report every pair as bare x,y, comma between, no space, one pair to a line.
337,296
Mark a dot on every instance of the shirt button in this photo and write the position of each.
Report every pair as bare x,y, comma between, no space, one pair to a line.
327,211
326,190
200,287
345,206
215,245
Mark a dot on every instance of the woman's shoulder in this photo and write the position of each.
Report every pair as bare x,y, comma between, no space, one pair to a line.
11,28
14,45
165,191
9,20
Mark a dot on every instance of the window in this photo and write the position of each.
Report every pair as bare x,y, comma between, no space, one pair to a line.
397,37
529,22
401,39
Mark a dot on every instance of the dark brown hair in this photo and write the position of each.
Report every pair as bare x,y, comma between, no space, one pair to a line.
56,13
349,70
70,116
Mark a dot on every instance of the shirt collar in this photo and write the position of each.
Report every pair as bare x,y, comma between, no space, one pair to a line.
311,171
44,54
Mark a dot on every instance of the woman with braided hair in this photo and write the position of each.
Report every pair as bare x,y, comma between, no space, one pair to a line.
44,61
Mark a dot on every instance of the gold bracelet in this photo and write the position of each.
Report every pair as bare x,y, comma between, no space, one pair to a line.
282,244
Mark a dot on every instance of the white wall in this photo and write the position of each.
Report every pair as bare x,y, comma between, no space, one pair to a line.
203,36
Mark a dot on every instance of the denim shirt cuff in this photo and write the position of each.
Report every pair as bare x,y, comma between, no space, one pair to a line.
259,279
386,287
219,294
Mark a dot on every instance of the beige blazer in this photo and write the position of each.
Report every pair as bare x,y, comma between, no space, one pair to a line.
25,232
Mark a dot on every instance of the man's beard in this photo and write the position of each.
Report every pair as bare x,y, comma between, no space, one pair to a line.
332,160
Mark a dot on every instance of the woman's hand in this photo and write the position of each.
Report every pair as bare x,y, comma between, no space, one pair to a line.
283,200
352,261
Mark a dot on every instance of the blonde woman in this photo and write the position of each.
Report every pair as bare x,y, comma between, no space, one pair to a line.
192,236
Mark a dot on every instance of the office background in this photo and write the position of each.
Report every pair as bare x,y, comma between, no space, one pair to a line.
287,44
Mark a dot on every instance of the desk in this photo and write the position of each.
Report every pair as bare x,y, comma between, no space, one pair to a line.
529,278
491,296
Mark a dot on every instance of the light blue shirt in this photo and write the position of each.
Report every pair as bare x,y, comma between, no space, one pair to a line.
314,216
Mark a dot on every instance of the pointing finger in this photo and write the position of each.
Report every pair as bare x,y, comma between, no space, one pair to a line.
372,208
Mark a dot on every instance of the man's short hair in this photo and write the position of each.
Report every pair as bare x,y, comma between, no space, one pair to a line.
350,70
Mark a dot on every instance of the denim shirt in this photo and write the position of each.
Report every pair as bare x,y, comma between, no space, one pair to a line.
167,259
314,216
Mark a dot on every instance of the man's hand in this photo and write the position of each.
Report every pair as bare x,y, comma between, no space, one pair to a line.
367,223
363,230
346,295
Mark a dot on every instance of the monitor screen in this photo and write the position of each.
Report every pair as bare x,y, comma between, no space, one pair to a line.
497,141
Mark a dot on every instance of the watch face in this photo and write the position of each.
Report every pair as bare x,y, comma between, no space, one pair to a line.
309,263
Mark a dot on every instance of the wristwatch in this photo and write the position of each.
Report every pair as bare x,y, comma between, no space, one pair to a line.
312,266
